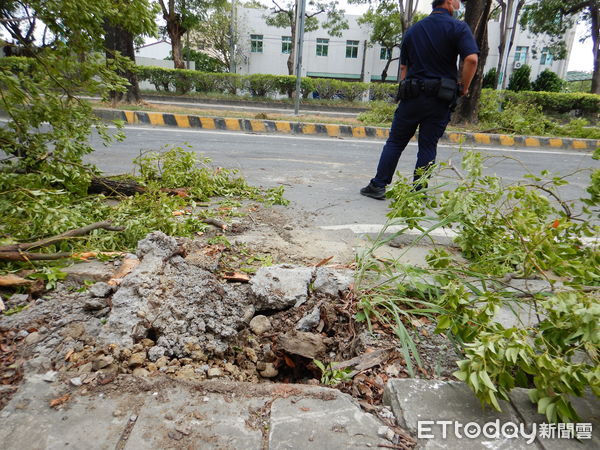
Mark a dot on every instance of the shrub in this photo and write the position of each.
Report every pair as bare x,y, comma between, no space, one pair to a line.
327,87
548,81
519,80
490,80
352,91
384,91
160,77
380,113
261,85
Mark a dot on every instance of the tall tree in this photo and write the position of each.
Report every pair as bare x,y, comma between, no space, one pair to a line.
180,17
389,20
215,35
283,15
477,14
118,41
508,27
555,17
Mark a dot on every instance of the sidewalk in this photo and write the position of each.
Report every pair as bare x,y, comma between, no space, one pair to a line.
157,412
331,130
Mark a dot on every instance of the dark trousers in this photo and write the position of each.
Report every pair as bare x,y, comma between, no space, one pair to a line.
428,113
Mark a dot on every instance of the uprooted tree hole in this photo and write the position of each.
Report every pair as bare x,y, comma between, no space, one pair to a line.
174,314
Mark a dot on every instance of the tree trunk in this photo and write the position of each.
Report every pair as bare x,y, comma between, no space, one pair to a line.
504,31
292,57
117,39
595,31
476,15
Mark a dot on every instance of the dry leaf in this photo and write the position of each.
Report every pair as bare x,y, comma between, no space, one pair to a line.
178,213
304,409
88,255
59,401
126,267
288,361
69,354
323,261
236,276
13,280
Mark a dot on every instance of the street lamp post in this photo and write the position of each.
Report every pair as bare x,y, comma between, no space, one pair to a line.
299,43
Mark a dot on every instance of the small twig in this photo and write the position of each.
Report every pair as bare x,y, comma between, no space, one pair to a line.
215,222
564,206
106,225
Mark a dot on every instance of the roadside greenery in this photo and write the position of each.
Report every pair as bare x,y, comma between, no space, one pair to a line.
527,112
507,234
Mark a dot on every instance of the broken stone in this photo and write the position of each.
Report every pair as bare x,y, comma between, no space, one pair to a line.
73,331
100,289
85,368
251,354
185,430
95,304
332,281
155,353
309,345
23,334
230,368
101,362
269,371
88,270
147,343
117,413
386,433
260,325
310,321
16,300
214,372
33,338
137,359
76,381
198,355
281,286
50,376
140,372
194,304
175,435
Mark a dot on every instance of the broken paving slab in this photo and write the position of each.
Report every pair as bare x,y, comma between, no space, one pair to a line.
332,422
415,400
89,270
158,412
587,407
180,417
28,422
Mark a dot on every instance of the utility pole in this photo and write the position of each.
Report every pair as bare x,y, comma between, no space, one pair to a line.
232,30
300,8
504,67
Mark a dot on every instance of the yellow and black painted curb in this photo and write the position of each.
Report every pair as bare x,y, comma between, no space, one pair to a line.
331,130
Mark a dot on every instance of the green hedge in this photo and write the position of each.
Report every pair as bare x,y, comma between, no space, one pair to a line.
557,102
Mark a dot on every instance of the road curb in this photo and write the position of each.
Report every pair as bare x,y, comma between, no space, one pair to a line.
331,130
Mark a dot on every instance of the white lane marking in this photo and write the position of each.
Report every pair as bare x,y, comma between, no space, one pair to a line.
345,139
363,228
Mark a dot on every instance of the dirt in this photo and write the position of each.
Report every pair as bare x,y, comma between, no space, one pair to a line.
65,329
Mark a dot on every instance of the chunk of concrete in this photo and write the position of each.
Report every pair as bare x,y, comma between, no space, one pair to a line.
332,281
280,287
89,270
415,401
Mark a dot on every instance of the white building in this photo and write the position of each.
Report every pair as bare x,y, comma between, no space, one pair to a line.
265,49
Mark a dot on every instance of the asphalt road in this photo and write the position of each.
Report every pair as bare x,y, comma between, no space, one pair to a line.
323,175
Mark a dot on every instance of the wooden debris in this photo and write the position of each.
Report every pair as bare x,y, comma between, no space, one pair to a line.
125,269
11,280
215,222
55,403
323,261
309,345
236,277
364,361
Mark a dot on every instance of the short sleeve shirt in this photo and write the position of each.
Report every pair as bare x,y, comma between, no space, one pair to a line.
431,47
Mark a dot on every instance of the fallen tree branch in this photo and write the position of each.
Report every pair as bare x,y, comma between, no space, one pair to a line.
5,249
11,280
126,187
28,256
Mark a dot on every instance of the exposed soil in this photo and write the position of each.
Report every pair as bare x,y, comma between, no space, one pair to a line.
70,328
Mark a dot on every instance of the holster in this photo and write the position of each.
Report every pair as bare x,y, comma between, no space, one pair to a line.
408,88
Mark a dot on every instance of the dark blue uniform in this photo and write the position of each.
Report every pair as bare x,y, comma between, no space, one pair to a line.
430,50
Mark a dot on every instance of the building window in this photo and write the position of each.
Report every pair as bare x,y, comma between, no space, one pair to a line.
286,44
256,43
385,54
351,49
322,47
521,54
546,57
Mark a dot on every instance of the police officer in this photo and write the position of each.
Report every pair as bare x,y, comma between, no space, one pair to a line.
428,89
